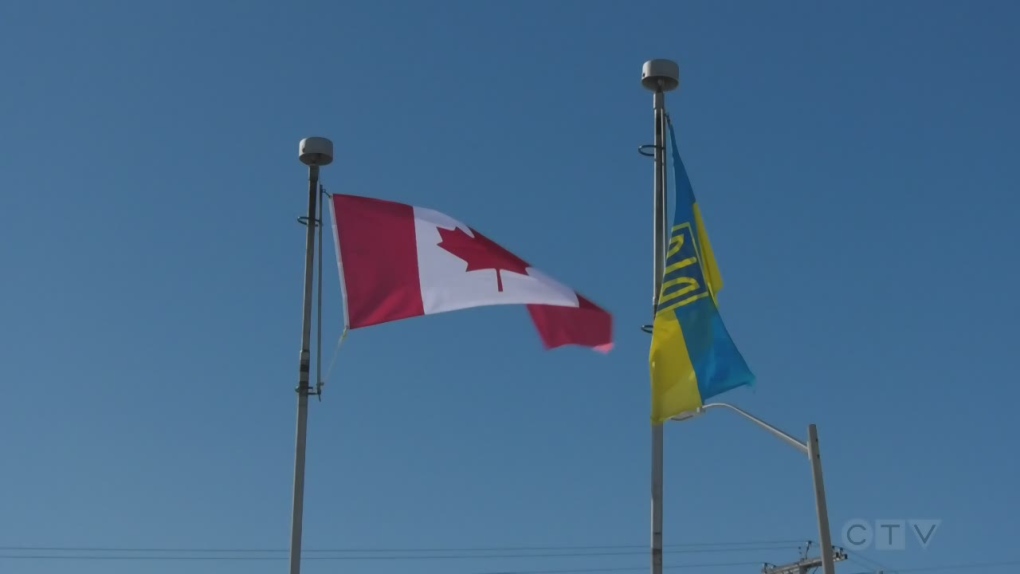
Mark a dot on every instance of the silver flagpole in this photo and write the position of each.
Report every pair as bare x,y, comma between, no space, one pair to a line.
313,152
659,76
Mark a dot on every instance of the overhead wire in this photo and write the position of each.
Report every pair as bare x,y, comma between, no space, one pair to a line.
698,546
268,558
30,552
95,553
945,568
860,559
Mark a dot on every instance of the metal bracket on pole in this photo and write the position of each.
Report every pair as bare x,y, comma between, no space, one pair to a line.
802,566
303,220
649,151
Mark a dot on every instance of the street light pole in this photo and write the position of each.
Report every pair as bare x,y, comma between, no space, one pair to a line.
828,564
811,450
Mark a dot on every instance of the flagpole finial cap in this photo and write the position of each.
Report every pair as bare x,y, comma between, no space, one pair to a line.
315,151
660,75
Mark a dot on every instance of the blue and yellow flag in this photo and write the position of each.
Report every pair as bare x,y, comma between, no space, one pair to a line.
693,357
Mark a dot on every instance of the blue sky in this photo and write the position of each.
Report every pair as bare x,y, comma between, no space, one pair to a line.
854,163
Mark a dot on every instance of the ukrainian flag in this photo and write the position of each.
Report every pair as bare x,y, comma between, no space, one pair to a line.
693,357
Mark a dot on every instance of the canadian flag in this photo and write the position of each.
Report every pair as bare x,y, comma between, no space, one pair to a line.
399,261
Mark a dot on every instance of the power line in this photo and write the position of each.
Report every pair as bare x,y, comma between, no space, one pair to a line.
690,547
946,568
626,569
134,554
863,560
165,554
267,558
802,566
252,554
634,569
249,556
876,567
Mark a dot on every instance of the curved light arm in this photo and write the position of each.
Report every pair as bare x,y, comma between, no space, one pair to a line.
810,449
788,439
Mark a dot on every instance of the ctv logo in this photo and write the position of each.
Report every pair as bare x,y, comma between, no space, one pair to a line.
859,534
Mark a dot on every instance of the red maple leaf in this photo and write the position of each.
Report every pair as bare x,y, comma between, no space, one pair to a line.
479,252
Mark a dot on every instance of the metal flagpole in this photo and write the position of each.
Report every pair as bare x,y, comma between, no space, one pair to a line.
659,76
313,152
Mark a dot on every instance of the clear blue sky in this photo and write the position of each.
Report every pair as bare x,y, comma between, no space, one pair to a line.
855,164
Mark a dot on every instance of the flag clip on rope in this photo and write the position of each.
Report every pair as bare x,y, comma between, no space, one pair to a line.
399,261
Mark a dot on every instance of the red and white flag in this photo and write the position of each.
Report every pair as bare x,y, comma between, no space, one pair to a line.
399,261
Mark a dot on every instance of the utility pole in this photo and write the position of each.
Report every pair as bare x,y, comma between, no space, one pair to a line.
804,565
